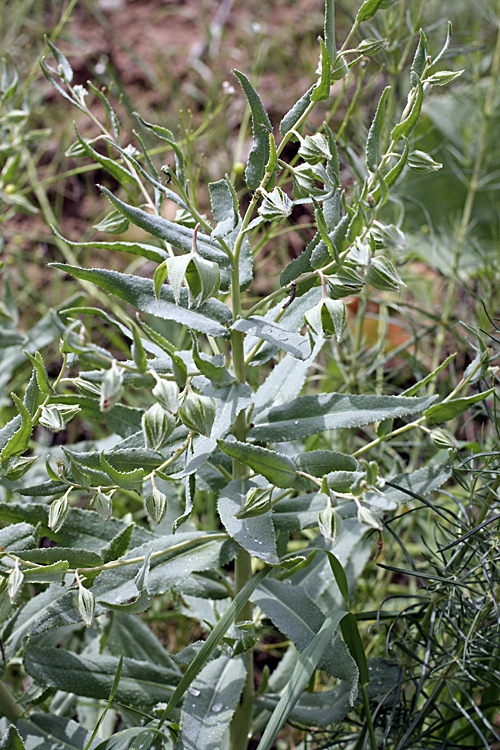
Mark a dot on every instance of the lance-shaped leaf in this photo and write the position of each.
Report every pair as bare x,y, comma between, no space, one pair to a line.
329,30
261,125
321,709
211,703
142,249
451,409
140,293
131,479
405,127
76,558
121,174
52,732
285,381
18,441
368,10
300,619
321,91
375,134
224,205
418,64
306,664
391,177
308,415
177,235
11,740
255,534
293,116
142,685
298,345
275,467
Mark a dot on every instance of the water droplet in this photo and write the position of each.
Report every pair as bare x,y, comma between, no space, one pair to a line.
296,421
194,691
250,331
217,708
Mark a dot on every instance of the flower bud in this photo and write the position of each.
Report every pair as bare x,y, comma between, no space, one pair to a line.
103,505
344,283
327,317
15,582
315,148
381,274
198,413
330,524
55,416
166,392
276,205
257,502
58,512
157,426
84,602
370,47
156,506
422,163
111,387
368,518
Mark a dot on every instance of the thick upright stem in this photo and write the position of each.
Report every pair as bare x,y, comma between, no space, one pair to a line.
8,706
241,723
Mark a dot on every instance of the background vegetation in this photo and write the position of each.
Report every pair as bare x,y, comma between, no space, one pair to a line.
423,579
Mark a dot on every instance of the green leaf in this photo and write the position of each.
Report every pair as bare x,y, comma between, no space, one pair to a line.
224,205
285,381
256,534
76,558
214,639
298,345
352,638
295,614
339,575
140,293
405,127
310,415
142,685
209,707
63,64
320,463
293,116
300,265
329,30
11,740
121,174
47,574
151,252
420,483
175,234
368,10
261,125
451,409
113,119
321,709
19,441
418,64
131,479
276,468
375,134
306,664
412,390
52,732
391,176
179,368
321,91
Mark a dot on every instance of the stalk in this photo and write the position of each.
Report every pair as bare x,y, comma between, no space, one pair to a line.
8,706
242,719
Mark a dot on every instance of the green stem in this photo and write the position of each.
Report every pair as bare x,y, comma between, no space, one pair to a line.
8,706
368,717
